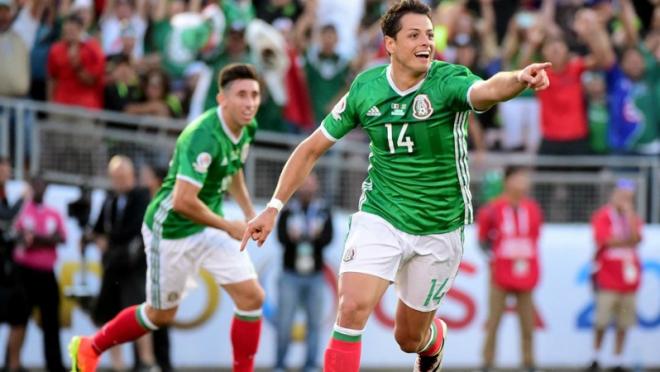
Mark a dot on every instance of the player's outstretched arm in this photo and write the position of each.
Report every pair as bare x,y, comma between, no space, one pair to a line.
186,202
239,191
505,85
295,171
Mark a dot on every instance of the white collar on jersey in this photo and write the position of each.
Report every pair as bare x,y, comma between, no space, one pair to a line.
388,73
225,128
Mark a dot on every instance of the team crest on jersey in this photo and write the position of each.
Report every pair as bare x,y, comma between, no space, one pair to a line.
201,165
422,107
339,108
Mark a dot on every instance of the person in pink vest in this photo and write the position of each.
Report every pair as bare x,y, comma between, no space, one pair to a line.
509,229
40,230
618,270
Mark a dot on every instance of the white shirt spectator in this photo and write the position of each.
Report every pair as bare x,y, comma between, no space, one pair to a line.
111,28
346,16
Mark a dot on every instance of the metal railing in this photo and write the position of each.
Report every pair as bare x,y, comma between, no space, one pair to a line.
73,145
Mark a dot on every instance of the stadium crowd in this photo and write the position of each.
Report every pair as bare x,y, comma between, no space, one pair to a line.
161,57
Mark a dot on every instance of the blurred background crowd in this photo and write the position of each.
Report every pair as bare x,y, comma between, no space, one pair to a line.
161,58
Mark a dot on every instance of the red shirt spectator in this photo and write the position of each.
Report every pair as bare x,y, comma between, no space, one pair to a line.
513,232
617,233
76,68
563,113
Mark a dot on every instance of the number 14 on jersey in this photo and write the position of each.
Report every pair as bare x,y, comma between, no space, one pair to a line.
402,140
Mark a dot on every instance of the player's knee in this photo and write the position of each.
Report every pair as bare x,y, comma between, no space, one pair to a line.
352,313
408,341
252,300
161,318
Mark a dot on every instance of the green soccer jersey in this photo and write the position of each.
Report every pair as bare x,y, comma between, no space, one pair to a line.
208,155
418,166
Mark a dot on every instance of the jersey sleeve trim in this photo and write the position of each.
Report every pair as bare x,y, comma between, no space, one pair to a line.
189,180
470,101
327,134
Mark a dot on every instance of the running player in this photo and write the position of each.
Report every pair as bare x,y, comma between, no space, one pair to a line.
416,198
184,228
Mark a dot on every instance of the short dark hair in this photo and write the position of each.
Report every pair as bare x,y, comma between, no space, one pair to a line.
236,71
390,23
512,170
328,27
75,18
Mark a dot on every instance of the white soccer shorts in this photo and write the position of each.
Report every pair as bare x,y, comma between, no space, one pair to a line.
423,267
172,263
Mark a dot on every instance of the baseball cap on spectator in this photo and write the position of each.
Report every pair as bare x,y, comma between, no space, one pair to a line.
625,184
596,2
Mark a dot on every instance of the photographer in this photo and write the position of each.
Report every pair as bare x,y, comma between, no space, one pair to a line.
117,233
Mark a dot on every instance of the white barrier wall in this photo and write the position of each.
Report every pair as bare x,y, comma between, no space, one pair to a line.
563,300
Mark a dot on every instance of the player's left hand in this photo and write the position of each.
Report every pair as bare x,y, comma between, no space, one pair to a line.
259,227
534,76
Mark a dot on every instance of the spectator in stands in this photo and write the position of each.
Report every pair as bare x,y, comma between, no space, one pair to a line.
125,87
13,304
618,271
509,230
126,14
171,53
40,230
521,119
234,51
326,71
117,233
304,229
597,115
631,89
14,55
563,114
47,33
75,68
157,99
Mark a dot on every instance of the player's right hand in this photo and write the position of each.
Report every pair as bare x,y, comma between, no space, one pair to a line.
260,227
236,228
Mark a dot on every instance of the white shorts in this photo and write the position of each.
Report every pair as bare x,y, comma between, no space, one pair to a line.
172,263
423,267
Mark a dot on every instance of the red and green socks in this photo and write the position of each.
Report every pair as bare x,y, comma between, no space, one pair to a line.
129,325
343,352
245,331
436,340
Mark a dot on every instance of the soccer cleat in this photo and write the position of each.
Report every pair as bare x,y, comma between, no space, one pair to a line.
434,362
83,356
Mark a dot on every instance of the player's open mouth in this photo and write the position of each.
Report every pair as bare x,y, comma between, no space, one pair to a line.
424,55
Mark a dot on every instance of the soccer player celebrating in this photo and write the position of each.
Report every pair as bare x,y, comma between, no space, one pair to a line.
416,198
184,228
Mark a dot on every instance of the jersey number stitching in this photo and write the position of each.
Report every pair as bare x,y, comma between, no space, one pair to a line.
402,141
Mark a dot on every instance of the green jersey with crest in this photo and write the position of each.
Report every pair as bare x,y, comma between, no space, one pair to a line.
418,165
207,155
